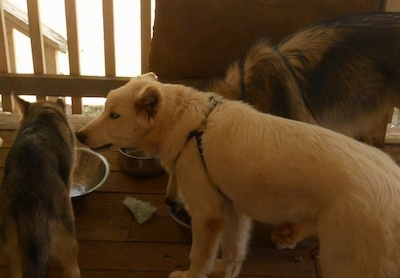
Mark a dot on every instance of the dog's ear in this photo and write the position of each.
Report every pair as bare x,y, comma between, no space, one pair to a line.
61,103
23,105
148,102
147,76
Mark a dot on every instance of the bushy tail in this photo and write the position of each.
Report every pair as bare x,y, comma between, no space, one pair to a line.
35,250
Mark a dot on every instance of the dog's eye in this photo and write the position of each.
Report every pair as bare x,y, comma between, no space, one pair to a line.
114,116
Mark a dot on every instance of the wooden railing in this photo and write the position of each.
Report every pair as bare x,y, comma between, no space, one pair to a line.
45,43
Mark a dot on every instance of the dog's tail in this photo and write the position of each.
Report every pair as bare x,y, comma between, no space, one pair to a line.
35,249
256,77
267,72
266,80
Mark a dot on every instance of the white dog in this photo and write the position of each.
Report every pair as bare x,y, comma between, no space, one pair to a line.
231,164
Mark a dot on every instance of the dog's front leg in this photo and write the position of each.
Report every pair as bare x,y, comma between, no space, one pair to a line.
207,235
207,229
233,245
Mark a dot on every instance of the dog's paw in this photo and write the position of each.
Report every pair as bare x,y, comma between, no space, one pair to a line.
178,274
218,266
287,235
223,270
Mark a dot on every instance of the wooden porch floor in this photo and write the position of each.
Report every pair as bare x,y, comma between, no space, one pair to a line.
113,244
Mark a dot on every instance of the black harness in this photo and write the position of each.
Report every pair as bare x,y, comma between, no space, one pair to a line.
199,133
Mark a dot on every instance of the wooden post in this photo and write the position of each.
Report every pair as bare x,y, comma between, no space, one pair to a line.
73,49
145,8
35,30
109,40
4,59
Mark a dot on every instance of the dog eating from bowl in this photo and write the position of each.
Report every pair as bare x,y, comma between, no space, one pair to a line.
230,164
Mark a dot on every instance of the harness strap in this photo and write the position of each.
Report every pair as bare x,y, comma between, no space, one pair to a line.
242,81
197,135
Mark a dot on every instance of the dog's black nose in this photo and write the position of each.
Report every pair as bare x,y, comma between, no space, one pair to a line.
81,137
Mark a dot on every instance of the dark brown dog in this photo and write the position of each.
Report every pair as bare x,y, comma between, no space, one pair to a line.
36,217
343,75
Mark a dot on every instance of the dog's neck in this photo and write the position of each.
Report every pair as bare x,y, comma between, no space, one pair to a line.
169,154
199,131
201,128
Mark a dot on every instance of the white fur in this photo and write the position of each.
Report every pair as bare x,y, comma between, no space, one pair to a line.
258,166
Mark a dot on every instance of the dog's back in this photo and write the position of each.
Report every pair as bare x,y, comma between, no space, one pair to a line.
347,59
34,195
342,74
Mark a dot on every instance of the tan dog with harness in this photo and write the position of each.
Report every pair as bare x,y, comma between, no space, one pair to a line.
231,164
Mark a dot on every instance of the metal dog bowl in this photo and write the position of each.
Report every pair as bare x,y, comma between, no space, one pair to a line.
90,172
135,162
181,217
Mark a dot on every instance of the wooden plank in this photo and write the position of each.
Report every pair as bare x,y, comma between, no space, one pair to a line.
51,59
11,121
145,7
72,33
4,51
150,231
392,5
101,255
165,257
73,49
63,85
92,273
119,182
50,55
109,40
16,18
56,272
104,228
8,122
111,204
11,50
157,257
5,65
35,33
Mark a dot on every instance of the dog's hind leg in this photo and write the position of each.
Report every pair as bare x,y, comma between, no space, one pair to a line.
65,250
233,245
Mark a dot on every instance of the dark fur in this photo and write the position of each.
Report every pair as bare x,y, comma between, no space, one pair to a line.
36,217
343,75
